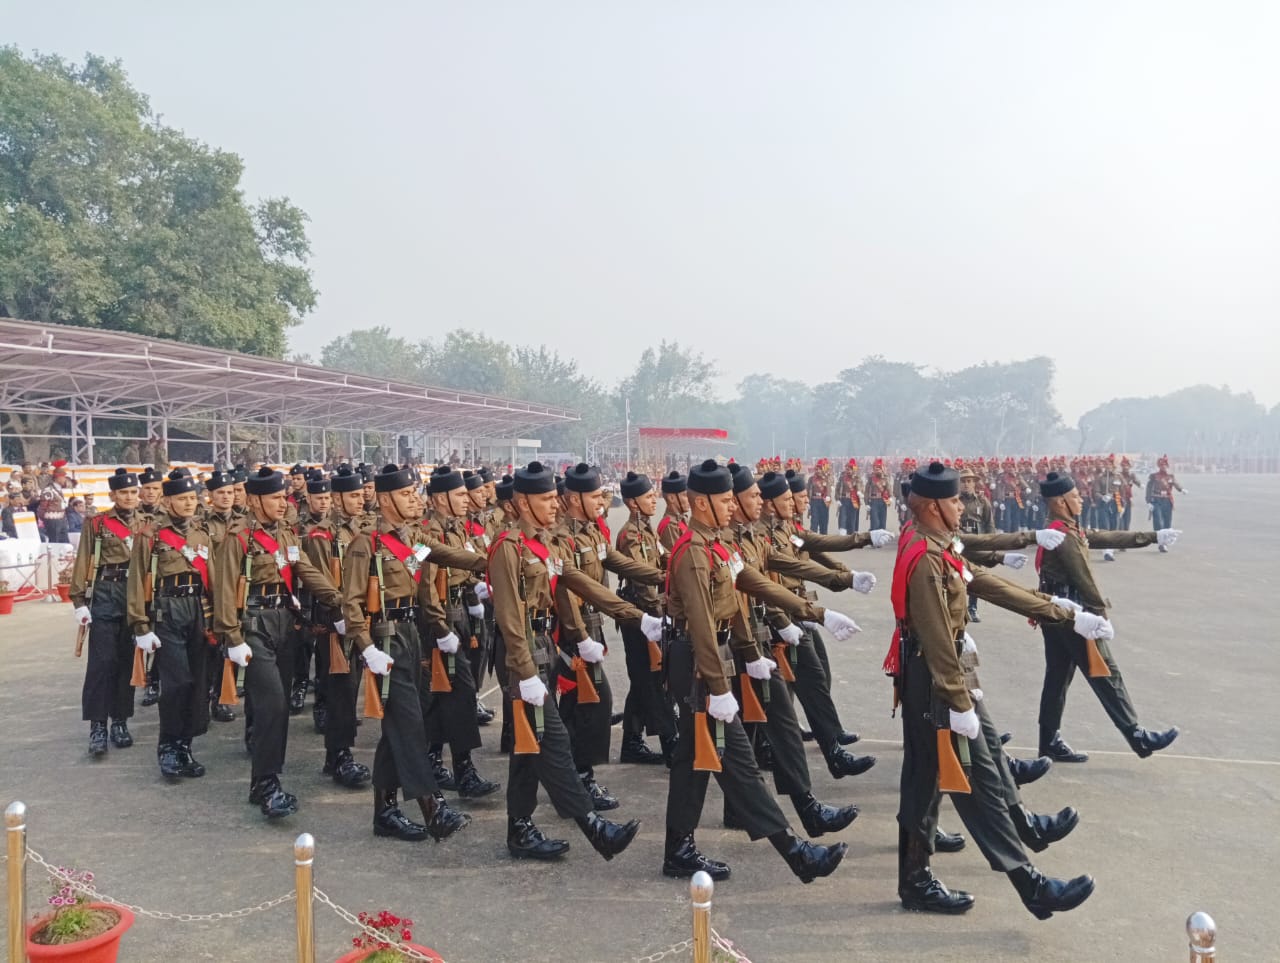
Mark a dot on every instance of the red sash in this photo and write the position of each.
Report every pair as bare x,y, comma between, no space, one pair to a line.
543,555
272,547
1057,525
715,549
116,527
667,520
401,551
177,542
475,529
910,552
604,529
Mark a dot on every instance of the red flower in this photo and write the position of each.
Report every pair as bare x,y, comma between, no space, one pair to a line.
406,934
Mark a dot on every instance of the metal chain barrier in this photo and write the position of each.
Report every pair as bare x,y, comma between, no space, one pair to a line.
726,946
408,952
92,893
669,951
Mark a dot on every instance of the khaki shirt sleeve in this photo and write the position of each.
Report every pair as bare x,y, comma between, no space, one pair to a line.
630,568
139,573
817,542
1072,559
84,556
809,571
930,622
509,608
433,615
1106,539
774,595
228,565
451,557
692,579
355,585
997,541
589,590
317,581
1008,595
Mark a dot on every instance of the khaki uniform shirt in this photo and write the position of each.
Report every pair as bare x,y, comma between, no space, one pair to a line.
169,561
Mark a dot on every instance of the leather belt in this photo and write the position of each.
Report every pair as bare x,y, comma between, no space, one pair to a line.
115,572
181,591
400,613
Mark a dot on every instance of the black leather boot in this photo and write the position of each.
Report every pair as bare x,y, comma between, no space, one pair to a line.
636,750
806,735
841,763
187,765
442,822
219,713
608,839
947,842
271,799
167,756
819,819
847,738
668,744
681,859
471,785
807,860
918,889
1037,831
1144,742
297,696
1044,896
345,770
390,820
525,840
1027,771
484,715
320,717
601,799
151,694
1053,746
120,735
439,771
97,738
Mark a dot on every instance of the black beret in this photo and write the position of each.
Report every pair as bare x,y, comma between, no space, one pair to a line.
906,485
392,478
534,479
219,479
485,474
560,486
150,476
582,478
635,485
674,484
347,479
473,480
710,478
179,481
742,477
444,479
773,484
506,488
265,481
366,472
240,474
936,481
317,483
795,481
123,478
298,469
1056,483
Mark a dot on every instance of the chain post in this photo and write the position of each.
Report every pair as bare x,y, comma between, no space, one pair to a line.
700,889
1202,934
15,834
304,854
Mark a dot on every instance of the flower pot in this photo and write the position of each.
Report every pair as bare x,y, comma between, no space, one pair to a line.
64,591
356,955
103,948
6,602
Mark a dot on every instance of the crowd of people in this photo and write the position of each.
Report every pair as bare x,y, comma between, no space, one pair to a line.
379,586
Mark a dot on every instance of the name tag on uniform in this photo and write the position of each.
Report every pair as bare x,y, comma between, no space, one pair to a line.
292,553
661,550
602,551
966,575
484,540
735,565
468,546
556,565
797,541
420,552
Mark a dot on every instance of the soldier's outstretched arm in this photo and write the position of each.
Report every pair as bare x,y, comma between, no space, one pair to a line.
1109,539
1008,595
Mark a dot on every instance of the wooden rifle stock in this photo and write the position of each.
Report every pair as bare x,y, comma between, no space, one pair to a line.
335,571
1097,664
338,664
526,740
705,757
782,656
227,693
372,700
587,692
752,710
139,678
439,677
951,777
81,633
373,596
655,657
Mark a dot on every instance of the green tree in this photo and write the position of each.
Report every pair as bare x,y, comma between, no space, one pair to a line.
672,386
110,219
996,408
884,406
374,352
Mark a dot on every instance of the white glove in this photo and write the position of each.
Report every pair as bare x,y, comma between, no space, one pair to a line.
475,611
881,537
533,691
1167,536
839,625
1185,491
790,634
1062,603
148,642
1014,560
482,591
976,694
1093,626
240,654
969,645
965,723
340,626
379,662
448,645
761,668
723,707
863,582
1050,538
651,627
591,650
82,614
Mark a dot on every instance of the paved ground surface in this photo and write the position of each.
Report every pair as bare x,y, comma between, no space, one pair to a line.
1191,829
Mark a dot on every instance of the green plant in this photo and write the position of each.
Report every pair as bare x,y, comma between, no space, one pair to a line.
4,587
73,918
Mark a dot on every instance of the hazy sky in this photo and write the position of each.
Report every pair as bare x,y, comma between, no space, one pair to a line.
786,187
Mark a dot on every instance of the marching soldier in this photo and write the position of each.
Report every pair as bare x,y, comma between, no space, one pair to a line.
879,494
942,717
675,513
1160,488
1065,573
819,492
508,518
170,610
530,574
849,495
388,581
255,605
99,593
647,706
219,520
977,518
51,505
481,529
150,484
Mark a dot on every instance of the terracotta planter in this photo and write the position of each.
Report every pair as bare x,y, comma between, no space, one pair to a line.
356,955
6,603
103,948
64,591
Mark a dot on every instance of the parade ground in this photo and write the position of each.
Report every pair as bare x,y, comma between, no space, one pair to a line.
1192,828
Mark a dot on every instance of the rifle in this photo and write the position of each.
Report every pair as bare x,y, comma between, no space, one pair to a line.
706,752
951,776
81,633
